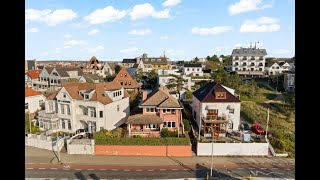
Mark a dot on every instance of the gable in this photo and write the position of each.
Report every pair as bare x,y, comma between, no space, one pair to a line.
60,95
55,73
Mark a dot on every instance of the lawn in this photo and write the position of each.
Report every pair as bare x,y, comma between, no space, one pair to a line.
263,94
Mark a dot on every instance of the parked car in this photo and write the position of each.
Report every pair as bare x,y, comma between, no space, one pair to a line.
245,127
256,128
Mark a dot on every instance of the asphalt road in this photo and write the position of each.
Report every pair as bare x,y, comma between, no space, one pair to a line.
95,174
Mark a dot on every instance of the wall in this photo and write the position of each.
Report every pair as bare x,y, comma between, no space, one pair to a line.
46,143
143,150
80,148
233,149
33,102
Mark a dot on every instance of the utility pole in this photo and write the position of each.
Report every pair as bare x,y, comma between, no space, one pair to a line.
267,125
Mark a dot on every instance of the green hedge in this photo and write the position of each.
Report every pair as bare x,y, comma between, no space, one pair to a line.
144,141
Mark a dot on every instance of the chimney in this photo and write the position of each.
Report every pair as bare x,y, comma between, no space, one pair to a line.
35,64
144,95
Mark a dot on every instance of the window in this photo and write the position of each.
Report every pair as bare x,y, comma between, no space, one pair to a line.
173,124
63,124
152,126
252,69
118,108
58,81
101,114
114,94
41,103
68,109
164,124
164,111
86,96
198,69
231,111
260,69
220,95
192,69
121,74
188,69
50,105
26,106
69,125
121,82
125,82
125,74
170,124
62,108
64,95
236,69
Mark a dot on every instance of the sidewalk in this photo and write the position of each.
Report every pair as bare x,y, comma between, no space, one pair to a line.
36,155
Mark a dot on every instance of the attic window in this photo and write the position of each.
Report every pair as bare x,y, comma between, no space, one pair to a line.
104,95
125,74
86,96
221,95
121,74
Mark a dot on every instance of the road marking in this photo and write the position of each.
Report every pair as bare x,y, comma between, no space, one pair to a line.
138,170
126,170
114,169
151,170
174,169
53,168
263,168
66,169
162,169
78,169
251,168
240,168
102,169
89,169
42,168
287,169
29,168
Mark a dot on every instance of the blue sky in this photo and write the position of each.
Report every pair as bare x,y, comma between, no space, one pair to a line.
115,29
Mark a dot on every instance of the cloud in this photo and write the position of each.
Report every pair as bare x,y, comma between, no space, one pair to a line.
164,37
147,10
142,32
171,2
71,43
282,51
262,24
211,31
174,52
94,50
129,50
93,32
49,16
107,14
32,30
246,6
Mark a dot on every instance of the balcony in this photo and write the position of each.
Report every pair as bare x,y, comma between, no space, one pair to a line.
244,59
253,59
260,58
214,119
47,115
40,82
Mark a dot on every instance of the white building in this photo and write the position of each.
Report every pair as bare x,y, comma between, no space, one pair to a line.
249,61
167,79
33,100
87,106
96,67
277,67
192,70
31,77
162,72
215,109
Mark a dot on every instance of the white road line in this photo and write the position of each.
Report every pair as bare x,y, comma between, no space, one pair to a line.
29,168
162,169
53,168
239,168
150,170
102,169
287,169
174,169
114,169
251,168
42,168
78,169
89,169
66,169
138,170
126,170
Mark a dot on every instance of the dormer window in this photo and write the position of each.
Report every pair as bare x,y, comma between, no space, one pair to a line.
64,95
221,95
86,96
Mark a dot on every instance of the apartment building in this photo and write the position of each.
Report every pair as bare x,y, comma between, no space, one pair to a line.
192,70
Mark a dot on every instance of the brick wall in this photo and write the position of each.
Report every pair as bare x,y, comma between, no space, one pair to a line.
143,150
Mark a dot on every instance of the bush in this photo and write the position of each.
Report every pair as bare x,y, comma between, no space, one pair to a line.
166,133
144,141
186,125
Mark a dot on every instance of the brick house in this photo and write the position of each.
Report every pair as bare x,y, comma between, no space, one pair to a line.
159,110
127,78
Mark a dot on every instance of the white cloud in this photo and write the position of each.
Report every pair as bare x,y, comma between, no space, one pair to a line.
171,2
93,32
49,16
211,31
164,37
129,50
32,30
94,50
147,10
262,24
107,14
282,51
142,32
246,6
71,43
174,52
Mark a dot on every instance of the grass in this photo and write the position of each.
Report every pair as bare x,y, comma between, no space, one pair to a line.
263,94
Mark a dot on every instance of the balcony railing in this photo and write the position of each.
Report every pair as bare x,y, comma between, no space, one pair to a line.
40,82
244,58
260,58
47,115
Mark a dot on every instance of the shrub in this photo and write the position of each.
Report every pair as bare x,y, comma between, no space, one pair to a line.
186,125
166,133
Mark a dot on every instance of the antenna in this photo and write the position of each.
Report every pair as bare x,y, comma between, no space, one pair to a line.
250,44
164,53
255,45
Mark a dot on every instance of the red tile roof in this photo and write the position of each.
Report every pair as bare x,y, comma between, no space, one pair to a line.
34,74
30,92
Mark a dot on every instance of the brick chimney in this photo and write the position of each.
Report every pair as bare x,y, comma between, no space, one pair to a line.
144,95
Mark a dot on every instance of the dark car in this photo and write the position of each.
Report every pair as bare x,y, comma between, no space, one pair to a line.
245,127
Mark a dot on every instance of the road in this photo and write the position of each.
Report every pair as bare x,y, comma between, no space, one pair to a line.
75,171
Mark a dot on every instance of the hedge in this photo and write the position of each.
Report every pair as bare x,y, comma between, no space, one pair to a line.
144,141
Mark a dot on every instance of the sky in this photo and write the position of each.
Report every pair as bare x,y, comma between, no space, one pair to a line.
113,30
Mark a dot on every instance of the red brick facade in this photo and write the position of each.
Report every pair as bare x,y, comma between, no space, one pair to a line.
127,81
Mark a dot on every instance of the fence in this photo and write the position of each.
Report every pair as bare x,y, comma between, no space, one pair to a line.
43,142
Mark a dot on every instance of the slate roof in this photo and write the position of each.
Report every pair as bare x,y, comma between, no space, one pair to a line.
207,93
62,71
90,78
144,119
249,52
129,61
49,69
192,65
161,98
148,60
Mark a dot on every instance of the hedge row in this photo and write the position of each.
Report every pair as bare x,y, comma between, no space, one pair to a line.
143,141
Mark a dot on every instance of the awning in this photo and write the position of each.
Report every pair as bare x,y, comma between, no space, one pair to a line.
212,106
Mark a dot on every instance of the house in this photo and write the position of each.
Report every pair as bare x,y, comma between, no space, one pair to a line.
192,70
249,61
31,77
34,100
129,62
163,72
216,109
285,66
154,63
87,106
138,66
168,79
159,110
91,78
95,67
126,77
273,68
289,81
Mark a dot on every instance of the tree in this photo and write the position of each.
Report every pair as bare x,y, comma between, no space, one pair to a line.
152,78
117,69
196,60
215,58
188,94
176,84
208,58
34,128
